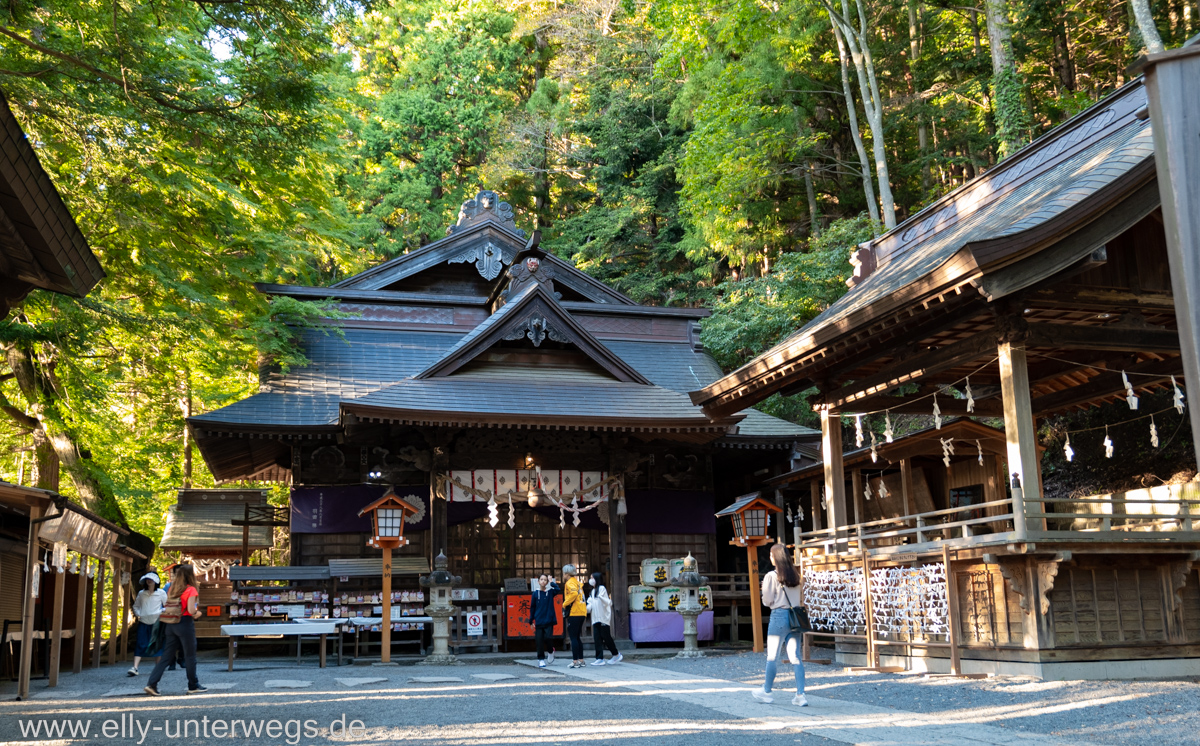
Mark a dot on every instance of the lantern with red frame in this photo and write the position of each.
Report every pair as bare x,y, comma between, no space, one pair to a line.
388,515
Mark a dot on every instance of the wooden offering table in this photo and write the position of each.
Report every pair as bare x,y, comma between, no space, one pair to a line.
319,630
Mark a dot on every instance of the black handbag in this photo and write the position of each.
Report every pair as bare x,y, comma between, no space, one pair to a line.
797,616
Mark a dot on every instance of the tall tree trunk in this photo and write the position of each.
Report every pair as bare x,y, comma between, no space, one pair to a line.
814,218
1009,104
1145,22
855,133
185,404
914,52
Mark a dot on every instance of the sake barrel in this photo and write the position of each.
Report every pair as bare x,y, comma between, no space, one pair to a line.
676,568
656,572
704,594
642,598
670,597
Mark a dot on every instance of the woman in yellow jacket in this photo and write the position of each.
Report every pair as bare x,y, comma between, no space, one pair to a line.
575,609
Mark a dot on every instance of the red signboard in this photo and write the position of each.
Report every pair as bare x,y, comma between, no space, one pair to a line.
516,616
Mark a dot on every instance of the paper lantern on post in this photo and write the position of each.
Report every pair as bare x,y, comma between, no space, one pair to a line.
387,520
749,514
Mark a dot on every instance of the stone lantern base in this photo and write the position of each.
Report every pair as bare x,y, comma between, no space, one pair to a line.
691,647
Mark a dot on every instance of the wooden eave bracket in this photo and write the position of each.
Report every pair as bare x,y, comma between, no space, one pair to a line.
1046,573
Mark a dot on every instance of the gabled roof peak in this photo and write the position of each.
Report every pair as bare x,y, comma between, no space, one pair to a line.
484,206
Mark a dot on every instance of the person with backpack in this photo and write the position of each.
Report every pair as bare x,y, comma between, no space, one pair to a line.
146,607
179,616
781,592
544,617
599,604
575,607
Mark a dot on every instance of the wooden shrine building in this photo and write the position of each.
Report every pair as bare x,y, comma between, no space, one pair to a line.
1040,287
480,366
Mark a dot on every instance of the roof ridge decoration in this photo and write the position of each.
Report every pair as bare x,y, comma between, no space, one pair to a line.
535,314
488,258
486,205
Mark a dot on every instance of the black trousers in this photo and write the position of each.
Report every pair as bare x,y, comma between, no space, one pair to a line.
543,634
602,637
177,638
575,630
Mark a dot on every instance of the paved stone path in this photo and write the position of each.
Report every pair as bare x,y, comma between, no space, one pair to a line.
836,720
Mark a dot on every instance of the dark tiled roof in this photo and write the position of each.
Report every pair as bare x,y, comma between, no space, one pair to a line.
370,567
268,572
209,527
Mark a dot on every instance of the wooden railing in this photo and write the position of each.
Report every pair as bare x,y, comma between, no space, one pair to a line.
491,629
918,528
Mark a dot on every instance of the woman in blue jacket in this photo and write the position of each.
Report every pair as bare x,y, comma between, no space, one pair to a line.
544,617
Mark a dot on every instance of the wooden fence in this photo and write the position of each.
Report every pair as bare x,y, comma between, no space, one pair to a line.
491,636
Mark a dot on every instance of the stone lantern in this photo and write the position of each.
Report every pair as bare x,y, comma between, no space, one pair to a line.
689,581
441,608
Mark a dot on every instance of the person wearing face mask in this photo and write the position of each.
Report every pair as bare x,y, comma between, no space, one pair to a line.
544,617
599,604
575,607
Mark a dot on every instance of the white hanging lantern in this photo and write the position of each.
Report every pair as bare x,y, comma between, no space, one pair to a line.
1176,396
1129,395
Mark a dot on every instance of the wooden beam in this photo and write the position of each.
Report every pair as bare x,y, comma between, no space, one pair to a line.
1175,112
921,404
60,587
31,566
1108,383
1115,337
1019,434
916,367
1101,301
98,611
113,630
835,475
81,597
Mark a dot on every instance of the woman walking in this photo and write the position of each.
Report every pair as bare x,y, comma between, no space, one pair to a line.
599,604
781,590
575,608
146,607
179,616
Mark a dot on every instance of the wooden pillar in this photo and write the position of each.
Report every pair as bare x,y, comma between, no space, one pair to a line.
1019,433
98,610
386,628
856,486
619,570
112,610
439,495
126,608
755,597
815,491
81,596
31,566
60,587
951,613
835,475
907,488
246,541
781,522
1175,113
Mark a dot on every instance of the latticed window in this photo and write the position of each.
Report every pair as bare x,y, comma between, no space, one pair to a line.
737,525
389,521
756,522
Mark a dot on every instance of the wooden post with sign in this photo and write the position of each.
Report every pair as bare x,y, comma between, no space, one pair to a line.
385,644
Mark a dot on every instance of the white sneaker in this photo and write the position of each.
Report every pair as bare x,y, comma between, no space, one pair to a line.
541,664
598,662
132,672
800,701
762,696
616,659
550,658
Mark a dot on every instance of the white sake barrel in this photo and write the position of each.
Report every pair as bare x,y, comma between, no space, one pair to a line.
642,598
676,568
670,597
704,593
656,572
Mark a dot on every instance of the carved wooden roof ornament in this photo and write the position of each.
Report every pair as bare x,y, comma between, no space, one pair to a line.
529,268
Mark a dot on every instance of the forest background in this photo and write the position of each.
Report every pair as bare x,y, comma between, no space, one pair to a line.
700,152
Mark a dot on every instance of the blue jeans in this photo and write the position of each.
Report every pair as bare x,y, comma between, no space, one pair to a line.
778,636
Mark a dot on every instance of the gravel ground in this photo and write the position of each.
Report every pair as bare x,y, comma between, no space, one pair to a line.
1149,713
526,709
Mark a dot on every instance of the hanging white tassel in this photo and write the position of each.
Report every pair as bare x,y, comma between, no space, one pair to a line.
1153,433
867,490
1176,397
512,513
1108,444
874,454
979,448
575,508
883,490
789,515
858,436
970,396
887,427
562,516
947,450
1068,451
45,565
60,556
92,569
493,511
937,414
1129,395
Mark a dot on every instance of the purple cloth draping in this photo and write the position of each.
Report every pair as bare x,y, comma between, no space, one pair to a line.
666,626
670,512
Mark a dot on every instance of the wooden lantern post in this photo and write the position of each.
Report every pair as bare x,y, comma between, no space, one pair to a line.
388,514
750,515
